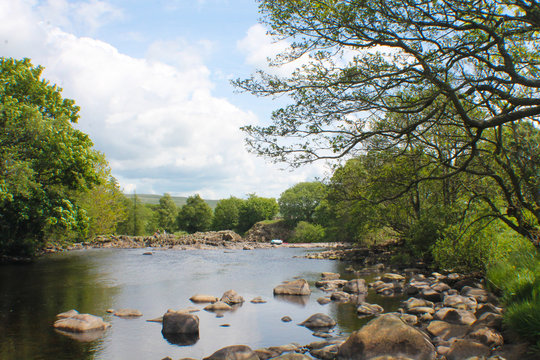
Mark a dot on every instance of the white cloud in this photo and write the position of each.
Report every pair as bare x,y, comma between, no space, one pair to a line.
155,118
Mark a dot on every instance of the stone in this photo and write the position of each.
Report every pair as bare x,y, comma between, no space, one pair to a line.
488,307
445,330
390,277
369,309
455,316
127,313
440,287
180,323
330,285
234,352
231,297
430,294
487,336
324,300
218,306
326,353
67,314
79,323
330,276
387,335
202,298
460,302
340,296
356,286
286,319
480,295
464,349
318,320
488,319
420,310
298,287
292,356
258,300
415,302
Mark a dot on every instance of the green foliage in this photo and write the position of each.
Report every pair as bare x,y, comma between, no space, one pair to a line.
306,232
227,214
299,202
195,216
139,219
516,276
166,213
256,209
44,161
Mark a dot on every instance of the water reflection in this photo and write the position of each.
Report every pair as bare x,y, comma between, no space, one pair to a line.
293,299
181,339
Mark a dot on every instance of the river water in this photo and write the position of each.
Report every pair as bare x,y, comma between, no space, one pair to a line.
92,281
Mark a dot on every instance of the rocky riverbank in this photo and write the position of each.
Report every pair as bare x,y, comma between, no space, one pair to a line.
445,317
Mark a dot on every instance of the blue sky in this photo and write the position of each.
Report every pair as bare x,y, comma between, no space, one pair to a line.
152,80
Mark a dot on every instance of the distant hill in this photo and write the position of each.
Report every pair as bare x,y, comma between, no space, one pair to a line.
178,200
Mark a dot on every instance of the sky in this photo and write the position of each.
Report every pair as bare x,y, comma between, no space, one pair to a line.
152,79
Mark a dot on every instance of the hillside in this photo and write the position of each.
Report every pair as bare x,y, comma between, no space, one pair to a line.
178,200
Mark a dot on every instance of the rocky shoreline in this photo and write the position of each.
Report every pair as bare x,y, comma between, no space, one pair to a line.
445,317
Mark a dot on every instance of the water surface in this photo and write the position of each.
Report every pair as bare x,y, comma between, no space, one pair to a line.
92,281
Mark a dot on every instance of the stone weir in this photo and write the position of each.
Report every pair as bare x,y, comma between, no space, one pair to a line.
224,238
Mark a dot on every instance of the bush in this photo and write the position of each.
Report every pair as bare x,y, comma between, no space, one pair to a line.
306,233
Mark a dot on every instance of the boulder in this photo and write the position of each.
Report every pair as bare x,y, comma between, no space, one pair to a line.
487,336
67,314
420,310
340,296
218,306
488,319
81,323
292,356
445,330
480,295
326,353
258,300
231,297
324,300
390,277
180,323
369,309
415,302
202,298
127,313
387,335
298,287
455,316
440,287
356,286
460,302
464,349
330,285
234,352
318,320
430,294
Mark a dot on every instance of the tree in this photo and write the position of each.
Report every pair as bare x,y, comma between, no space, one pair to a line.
44,161
166,213
227,214
376,75
138,218
195,215
256,209
299,202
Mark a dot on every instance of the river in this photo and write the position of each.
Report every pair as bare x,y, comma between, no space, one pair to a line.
92,281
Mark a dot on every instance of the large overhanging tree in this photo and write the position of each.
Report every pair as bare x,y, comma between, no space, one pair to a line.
392,73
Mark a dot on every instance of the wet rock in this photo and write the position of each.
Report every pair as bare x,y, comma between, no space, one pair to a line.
330,285
180,323
286,319
369,309
430,294
318,320
340,296
127,313
415,302
298,287
81,323
234,352
324,300
464,349
455,316
387,335
356,286
329,276
420,310
258,300
202,298
484,308
218,306
440,287
326,353
231,297
480,295
67,314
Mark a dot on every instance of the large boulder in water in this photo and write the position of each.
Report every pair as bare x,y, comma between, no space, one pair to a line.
176,322
387,335
295,287
234,352
231,297
356,286
318,320
81,323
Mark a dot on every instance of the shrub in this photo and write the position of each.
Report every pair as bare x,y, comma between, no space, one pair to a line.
306,232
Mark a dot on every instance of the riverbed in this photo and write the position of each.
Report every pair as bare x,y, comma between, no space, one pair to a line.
92,281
